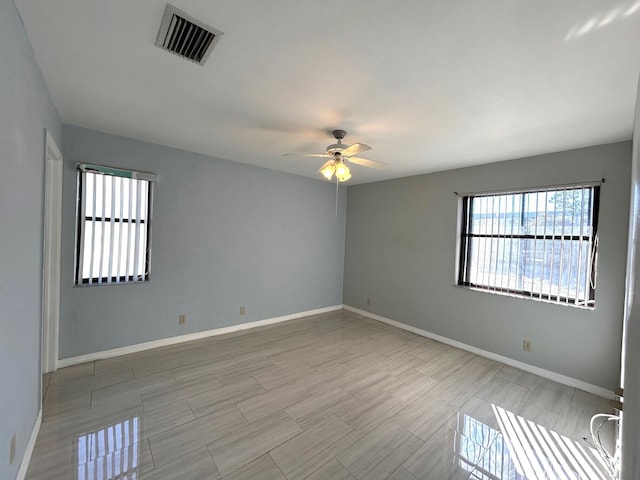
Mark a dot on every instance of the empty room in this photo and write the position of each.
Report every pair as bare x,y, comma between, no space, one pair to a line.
319,240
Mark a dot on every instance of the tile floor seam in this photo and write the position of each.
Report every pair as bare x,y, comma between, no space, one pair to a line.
269,451
173,374
211,456
242,414
151,453
191,408
113,384
206,447
276,464
335,457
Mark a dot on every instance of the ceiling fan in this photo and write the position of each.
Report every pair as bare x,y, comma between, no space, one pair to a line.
339,154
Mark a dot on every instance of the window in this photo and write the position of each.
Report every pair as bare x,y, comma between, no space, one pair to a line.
113,243
538,243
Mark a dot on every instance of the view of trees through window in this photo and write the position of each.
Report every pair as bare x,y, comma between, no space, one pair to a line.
539,243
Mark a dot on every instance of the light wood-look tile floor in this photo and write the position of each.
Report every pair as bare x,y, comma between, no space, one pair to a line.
334,396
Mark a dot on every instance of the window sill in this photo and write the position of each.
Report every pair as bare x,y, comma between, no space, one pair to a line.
526,297
112,284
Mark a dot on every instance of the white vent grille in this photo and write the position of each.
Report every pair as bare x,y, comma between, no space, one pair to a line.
185,36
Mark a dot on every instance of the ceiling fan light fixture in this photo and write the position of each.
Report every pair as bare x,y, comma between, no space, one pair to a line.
342,172
328,171
345,177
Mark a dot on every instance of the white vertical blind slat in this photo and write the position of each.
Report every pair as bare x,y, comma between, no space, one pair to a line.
136,251
469,240
476,280
144,212
571,243
504,271
544,246
82,220
519,273
127,268
533,210
513,218
484,242
553,249
581,233
93,228
103,214
590,245
120,273
491,252
112,215
562,246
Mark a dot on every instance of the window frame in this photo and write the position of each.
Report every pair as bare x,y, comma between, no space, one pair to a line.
465,238
143,277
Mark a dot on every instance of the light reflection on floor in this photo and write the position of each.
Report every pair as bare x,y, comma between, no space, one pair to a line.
111,453
522,450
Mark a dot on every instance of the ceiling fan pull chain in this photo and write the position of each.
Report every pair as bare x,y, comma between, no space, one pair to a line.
336,199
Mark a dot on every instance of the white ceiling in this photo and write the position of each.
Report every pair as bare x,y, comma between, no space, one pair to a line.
430,85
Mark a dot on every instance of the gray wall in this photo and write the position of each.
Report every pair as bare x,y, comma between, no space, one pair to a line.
225,235
401,250
25,112
631,348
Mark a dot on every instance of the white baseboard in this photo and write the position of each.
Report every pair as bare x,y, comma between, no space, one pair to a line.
26,458
556,377
163,342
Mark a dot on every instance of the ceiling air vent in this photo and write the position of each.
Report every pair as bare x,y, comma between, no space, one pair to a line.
185,36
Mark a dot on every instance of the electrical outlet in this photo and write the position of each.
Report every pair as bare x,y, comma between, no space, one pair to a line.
182,319
368,300
12,449
243,310
526,345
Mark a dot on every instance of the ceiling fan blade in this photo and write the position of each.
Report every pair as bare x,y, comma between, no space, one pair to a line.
306,154
367,163
325,165
355,149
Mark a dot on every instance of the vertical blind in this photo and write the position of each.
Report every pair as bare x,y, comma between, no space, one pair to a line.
114,225
539,243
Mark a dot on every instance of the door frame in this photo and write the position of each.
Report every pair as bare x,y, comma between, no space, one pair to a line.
51,254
